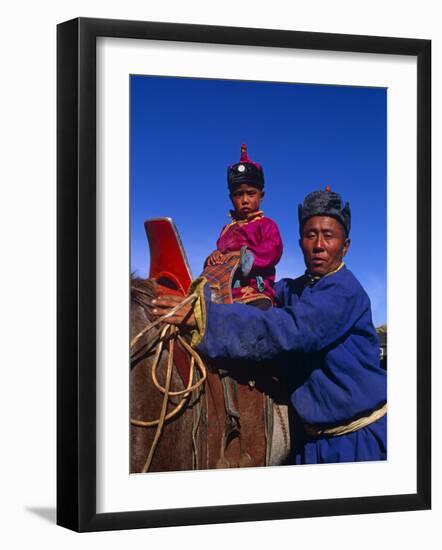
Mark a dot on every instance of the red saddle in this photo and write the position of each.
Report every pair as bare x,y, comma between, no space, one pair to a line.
170,269
168,262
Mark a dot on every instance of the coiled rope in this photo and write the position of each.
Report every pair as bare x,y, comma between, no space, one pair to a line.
170,333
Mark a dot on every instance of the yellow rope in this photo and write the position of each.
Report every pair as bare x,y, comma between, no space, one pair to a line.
317,431
200,364
172,333
163,408
195,358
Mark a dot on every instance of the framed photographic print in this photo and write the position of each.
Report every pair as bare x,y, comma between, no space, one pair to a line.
162,130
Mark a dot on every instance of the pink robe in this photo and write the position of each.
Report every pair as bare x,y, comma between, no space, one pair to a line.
261,237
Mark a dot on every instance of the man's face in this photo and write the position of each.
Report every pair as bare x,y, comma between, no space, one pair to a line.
324,244
246,199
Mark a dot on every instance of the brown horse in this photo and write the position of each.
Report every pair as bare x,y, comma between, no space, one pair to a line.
237,418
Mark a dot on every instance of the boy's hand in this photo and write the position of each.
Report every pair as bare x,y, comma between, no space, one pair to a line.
215,258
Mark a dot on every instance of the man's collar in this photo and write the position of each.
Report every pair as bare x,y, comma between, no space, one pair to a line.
313,279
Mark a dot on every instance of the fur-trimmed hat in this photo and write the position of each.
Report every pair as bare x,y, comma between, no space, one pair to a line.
325,203
245,171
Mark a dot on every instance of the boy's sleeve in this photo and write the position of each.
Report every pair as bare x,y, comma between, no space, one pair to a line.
221,233
268,251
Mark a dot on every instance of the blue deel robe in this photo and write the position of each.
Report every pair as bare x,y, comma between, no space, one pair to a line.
323,335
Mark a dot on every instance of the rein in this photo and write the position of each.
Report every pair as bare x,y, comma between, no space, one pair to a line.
169,333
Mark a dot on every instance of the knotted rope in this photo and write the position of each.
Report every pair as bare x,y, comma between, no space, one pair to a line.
170,333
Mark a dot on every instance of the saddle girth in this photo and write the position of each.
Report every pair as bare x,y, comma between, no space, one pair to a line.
234,442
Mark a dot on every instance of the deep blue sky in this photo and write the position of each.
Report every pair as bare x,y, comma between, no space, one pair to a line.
185,131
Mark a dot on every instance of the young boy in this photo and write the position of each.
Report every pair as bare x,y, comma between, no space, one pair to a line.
250,235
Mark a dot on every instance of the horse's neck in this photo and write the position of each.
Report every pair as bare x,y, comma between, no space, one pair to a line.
142,294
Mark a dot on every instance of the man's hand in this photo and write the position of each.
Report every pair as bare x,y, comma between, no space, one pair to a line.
184,316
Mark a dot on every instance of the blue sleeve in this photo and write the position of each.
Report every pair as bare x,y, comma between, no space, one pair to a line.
318,320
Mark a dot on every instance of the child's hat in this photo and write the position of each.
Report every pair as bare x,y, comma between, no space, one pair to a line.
245,171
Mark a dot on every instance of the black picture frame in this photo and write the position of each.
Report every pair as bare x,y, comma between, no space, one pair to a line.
76,272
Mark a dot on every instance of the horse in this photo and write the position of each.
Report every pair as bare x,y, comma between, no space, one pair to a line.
235,415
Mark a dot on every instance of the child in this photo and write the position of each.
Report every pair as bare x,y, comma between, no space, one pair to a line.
250,236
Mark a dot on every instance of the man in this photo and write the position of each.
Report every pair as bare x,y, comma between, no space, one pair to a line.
322,335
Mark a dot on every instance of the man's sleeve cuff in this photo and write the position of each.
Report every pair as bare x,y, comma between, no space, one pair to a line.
199,310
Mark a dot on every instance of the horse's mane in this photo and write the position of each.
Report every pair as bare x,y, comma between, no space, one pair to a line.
142,291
